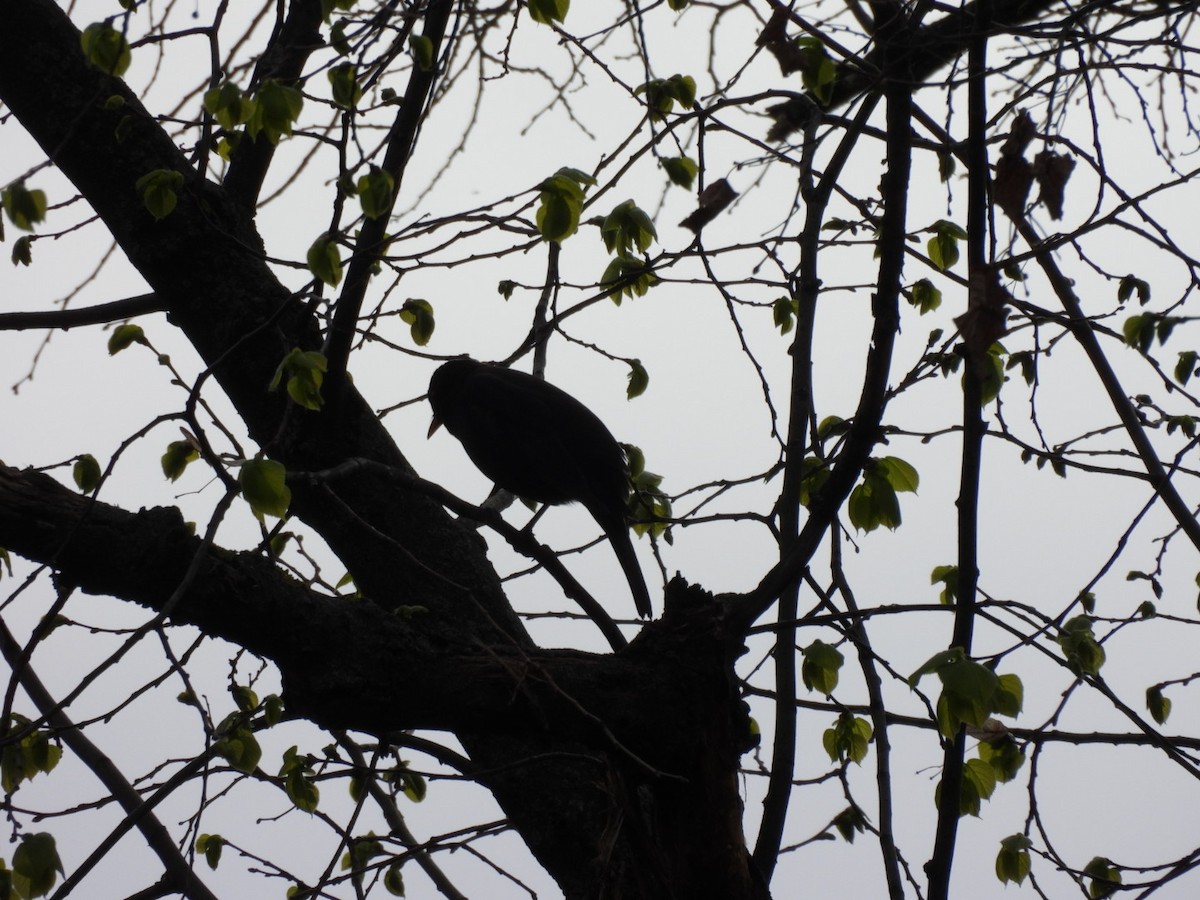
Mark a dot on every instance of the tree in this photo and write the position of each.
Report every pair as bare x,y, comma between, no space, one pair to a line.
324,180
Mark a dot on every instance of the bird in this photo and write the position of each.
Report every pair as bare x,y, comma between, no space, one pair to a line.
537,441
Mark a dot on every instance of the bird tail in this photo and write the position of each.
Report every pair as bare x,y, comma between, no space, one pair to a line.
622,544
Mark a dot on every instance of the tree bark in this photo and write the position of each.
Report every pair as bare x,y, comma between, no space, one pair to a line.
620,772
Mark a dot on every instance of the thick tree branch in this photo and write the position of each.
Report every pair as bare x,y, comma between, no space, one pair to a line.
562,717
329,651
292,43
100,314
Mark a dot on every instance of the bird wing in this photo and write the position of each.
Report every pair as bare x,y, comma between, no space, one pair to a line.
515,429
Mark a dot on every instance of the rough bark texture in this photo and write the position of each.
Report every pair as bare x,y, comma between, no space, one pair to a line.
619,771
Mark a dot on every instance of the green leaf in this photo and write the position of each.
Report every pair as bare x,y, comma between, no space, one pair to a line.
663,93
179,454
1158,704
648,506
418,315
967,698
1186,424
229,143
343,79
35,865
969,800
994,379
1185,368
831,426
850,821
548,11
337,38
125,335
22,251
682,170
244,697
1009,698
873,503
105,48
948,577
302,791
276,108
159,191
1012,862
1105,876
784,311
971,692
33,754
814,473
361,852
263,483
421,48
324,261
943,246
946,165
1136,335
979,783
677,5
505,288
639,380
86,472
628,276
305,372
924,296
393,881
1128,285
626,229
819,671
561,204
272,709
210,845
935,664
24,207
899,474
1141,330
1004,755
1079,645
237,744
847,739
228,105
683,88
817,70
413,785
1027,362
375,192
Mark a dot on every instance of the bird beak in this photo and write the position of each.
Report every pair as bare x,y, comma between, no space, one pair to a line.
433,426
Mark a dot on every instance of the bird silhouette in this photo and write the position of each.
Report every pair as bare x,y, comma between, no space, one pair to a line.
540,443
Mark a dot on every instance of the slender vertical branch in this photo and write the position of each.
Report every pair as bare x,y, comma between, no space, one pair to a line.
372,238
949,802
806,292
856,630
